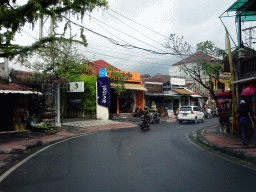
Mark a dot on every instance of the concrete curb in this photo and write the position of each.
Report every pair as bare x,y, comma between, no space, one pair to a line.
229,151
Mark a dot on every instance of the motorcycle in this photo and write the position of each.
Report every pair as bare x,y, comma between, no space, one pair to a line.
206,115
154,118
214,113
144,123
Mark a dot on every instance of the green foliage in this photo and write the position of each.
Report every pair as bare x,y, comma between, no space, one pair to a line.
13,18
42,126
60,63
88,97
117,79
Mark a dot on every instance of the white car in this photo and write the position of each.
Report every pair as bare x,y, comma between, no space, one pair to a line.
191,114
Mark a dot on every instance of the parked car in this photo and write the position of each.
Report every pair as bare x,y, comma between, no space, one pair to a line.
191,114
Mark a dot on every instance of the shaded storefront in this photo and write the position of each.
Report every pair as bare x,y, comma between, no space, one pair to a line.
130,100
21,104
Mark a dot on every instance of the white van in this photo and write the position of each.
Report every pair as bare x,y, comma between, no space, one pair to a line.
191,114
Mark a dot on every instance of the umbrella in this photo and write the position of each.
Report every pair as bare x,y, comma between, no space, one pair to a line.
251,90
223,100
221,95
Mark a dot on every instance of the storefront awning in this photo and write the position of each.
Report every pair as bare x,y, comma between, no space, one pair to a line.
244,8
183,91
132,86
196,96
244,80
14,88
20,92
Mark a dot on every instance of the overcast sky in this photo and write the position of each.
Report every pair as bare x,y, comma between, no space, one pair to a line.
196,20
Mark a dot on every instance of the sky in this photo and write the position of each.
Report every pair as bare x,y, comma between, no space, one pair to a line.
145,24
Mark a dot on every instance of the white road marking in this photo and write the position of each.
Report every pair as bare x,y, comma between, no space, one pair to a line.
34,154
219,155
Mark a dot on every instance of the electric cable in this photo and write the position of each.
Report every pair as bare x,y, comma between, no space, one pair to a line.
109,32
134,29
127,54
137,23
28,34
123,58
119,44
141,54
123,32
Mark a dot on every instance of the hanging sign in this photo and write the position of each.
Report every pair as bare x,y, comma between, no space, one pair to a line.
103,72
103,90
76,86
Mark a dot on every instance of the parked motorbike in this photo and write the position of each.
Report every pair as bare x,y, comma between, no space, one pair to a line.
154,118
214,113
206,115
144,123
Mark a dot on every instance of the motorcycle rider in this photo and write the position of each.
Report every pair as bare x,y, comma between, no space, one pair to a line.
146,115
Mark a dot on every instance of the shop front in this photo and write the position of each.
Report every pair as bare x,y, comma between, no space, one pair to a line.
21,103
130,100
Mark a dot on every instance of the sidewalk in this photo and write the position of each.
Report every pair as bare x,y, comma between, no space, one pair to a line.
227,143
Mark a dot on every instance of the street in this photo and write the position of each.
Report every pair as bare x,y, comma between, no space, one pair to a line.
159,159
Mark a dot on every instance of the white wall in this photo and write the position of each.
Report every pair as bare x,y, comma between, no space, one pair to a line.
102,112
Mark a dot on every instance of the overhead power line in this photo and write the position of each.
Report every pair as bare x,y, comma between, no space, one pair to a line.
137,23
134,29
144,63
129,54
109,32
129,51
123,32
119,44
141,25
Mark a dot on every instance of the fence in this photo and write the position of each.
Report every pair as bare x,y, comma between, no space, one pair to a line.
78,113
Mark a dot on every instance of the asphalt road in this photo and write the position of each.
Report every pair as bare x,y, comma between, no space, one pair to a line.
159,159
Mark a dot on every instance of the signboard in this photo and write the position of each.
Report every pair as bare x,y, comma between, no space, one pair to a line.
103,72
103,90
76,86
178,81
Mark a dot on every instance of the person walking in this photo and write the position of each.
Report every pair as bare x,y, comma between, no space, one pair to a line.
245,121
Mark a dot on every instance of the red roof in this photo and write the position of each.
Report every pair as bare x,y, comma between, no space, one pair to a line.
101,64
196,56
15,87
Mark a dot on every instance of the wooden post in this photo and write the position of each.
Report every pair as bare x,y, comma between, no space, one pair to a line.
117,104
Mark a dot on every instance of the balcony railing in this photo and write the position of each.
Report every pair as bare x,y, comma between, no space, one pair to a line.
248,67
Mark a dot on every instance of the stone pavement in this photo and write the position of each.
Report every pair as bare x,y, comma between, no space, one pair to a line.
227,143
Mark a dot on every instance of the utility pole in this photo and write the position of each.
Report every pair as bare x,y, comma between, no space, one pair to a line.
250,35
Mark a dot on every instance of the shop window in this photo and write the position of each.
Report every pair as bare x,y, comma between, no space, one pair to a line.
220,86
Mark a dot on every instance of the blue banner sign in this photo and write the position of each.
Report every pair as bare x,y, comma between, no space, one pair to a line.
103,72
104,93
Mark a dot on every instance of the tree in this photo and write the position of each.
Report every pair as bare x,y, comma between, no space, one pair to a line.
118,79
59,63
201,68
13,18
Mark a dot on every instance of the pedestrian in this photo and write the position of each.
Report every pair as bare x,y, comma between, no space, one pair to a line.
245,121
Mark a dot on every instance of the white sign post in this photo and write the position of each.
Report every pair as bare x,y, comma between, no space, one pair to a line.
76,86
